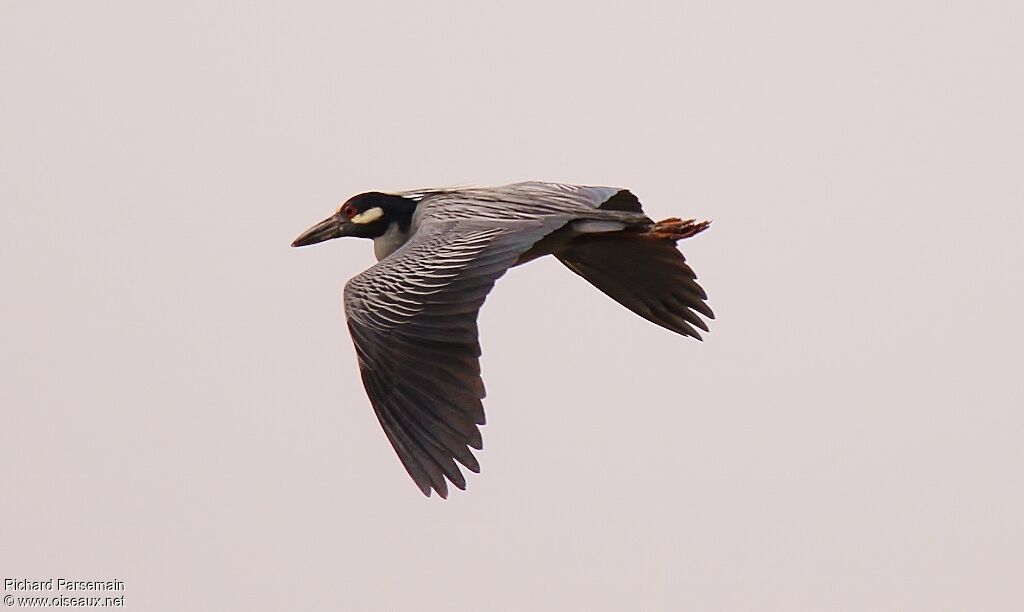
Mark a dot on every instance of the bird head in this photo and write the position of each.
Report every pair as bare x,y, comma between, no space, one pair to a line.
367,215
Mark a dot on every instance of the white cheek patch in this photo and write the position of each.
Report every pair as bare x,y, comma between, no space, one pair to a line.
369,216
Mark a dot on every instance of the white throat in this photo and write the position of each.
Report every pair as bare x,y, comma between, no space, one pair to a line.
388,242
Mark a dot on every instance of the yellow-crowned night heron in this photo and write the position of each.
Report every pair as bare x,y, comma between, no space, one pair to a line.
413,315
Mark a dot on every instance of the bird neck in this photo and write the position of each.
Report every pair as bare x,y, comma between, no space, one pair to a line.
390,241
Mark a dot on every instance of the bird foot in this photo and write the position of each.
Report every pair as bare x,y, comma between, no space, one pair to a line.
675,228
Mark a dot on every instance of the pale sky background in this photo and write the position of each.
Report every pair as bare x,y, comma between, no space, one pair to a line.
181,407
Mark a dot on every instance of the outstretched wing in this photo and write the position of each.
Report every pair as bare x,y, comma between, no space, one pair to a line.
413,322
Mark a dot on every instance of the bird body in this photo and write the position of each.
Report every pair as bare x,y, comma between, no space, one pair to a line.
412,316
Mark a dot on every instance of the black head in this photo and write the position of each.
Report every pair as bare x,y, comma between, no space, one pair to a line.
367,215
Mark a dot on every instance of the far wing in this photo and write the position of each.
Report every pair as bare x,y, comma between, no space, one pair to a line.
646,275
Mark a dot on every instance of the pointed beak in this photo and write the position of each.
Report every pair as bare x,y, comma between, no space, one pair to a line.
334,226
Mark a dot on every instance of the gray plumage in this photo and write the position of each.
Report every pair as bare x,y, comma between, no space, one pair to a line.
413,316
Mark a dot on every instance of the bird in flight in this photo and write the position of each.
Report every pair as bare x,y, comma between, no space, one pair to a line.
413,315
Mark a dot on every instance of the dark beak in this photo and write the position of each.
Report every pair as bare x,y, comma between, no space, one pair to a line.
334,226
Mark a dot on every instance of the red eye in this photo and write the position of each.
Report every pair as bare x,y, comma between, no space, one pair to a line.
348,210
